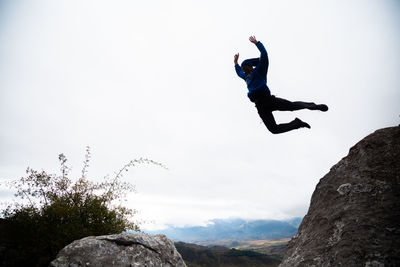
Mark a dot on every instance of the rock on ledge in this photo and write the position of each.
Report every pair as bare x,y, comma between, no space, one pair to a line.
354,214
120,250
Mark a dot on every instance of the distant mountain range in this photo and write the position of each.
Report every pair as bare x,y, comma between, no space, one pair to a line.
238,229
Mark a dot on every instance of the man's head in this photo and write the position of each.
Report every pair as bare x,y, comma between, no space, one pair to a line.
247,69
248,64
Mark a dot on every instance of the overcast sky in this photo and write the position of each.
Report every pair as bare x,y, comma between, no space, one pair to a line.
156,79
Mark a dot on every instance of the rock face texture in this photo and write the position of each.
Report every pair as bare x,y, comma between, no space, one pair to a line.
120,251
354,215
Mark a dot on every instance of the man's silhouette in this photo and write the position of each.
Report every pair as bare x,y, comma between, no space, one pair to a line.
254,72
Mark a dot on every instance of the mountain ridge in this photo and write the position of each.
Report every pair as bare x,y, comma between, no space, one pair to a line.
239,229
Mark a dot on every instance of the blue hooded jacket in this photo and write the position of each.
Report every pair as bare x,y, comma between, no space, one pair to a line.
257,80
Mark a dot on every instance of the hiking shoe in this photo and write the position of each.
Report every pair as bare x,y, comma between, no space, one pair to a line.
322,107
302,124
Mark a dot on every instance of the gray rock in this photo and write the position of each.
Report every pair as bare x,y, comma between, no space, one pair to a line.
354,214
120,250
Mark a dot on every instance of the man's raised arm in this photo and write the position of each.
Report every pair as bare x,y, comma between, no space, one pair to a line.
263,64
238,69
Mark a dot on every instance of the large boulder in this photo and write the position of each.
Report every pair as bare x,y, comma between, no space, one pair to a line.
120,250
354,214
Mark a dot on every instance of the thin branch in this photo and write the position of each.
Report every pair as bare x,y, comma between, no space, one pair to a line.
27,196
131,164
86,162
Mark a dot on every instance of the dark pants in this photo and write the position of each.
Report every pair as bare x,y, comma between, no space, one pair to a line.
268,103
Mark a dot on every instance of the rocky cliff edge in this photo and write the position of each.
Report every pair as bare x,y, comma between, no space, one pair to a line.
354,214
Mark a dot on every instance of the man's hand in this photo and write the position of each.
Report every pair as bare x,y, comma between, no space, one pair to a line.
253,39
235,58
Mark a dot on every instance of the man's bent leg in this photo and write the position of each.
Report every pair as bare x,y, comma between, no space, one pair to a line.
274,128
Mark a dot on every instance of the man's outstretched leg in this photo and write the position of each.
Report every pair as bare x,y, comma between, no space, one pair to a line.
286,105
274,128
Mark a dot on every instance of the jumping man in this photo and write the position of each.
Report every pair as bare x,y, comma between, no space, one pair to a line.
254,72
